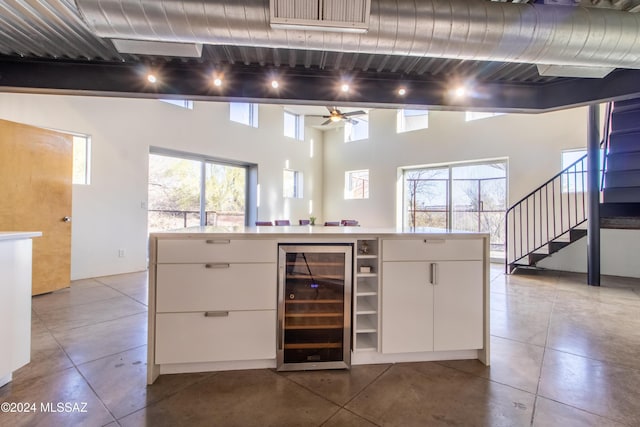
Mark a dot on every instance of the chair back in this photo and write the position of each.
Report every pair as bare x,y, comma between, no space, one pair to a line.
264,223
304,222
282,222
349,222
332,224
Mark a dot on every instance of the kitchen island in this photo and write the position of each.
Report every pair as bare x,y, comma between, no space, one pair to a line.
213,301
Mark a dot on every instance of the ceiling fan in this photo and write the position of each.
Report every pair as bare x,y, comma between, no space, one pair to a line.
336,115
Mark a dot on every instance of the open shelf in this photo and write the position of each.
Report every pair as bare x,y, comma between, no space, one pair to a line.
367,342
367,288
366,305
366,302
365,324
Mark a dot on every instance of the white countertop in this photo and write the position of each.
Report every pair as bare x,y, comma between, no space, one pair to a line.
306,230
17,235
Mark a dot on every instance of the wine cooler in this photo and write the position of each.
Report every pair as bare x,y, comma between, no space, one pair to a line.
314,306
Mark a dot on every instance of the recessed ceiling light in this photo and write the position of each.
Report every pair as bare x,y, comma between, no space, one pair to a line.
275,84
402,91
151,78
344,87
217,82
461,92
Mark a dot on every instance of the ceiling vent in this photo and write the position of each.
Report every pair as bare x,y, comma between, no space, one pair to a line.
321,15
149,47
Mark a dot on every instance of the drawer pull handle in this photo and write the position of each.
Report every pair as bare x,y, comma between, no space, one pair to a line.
216,314
218,242
217,265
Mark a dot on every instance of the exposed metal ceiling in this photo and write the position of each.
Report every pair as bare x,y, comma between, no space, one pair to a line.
46,46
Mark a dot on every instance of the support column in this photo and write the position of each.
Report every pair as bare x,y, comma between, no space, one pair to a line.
593,192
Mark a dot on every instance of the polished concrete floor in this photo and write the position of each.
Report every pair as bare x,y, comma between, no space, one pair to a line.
563,354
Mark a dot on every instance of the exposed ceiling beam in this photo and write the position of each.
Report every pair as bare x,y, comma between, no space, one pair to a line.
303,86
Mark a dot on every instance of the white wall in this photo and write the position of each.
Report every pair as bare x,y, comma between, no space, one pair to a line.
110,214
531,143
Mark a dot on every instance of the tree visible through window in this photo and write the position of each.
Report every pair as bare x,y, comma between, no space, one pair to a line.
467,197
177,198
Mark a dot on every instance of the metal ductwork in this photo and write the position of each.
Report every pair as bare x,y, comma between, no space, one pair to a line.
471,29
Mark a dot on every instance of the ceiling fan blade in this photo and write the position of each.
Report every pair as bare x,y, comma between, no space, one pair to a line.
326,122
333,110
352,121
355,113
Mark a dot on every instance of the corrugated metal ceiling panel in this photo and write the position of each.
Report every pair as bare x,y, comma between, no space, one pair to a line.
55,29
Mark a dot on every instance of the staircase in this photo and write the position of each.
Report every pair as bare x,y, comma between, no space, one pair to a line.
553,216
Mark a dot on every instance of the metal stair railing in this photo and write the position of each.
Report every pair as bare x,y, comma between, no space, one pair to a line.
551,210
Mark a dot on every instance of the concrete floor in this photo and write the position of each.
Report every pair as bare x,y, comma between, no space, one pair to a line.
563,354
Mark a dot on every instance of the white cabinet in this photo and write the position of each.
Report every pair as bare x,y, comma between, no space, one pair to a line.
407,307
431,303
214,300
15,302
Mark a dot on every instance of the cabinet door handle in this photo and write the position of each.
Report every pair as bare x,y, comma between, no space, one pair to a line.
217,265
433,273
434,241
218,242
216,314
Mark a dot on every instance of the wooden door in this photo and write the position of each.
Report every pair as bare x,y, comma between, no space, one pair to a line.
35,186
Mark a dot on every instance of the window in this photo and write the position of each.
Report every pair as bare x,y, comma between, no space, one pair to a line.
469,197
292,184
81,160
356,129
243,112
187,190
356,184
574,179
408,120
294,126
182,103
477,115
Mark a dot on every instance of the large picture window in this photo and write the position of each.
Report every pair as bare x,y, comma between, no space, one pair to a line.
191,191
466,197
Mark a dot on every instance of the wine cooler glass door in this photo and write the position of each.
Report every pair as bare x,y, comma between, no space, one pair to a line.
314,310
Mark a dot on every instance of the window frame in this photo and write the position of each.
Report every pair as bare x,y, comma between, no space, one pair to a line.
298,125
298,184
349,188
251,114
348,134
86,179
401,120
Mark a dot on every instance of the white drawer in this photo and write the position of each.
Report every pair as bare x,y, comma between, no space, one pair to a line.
193,337
431,249
216,250
216,286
